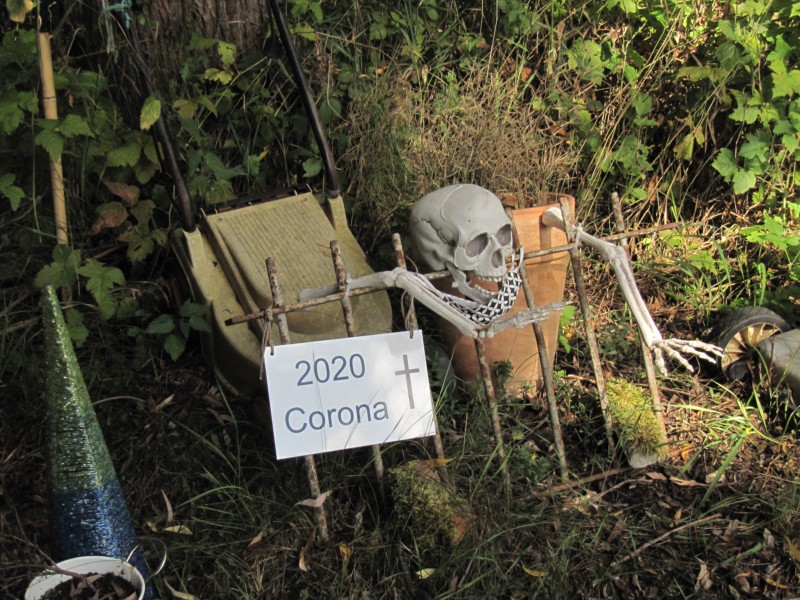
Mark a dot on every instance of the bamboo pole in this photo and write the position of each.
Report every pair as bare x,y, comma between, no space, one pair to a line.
51,112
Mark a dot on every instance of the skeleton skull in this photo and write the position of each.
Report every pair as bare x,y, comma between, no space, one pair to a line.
463,228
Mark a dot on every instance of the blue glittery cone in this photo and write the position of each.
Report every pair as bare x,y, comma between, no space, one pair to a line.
88,511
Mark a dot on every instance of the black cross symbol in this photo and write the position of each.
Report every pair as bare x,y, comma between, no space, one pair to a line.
407,372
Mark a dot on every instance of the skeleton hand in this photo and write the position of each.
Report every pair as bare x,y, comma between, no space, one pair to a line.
618,259
674,348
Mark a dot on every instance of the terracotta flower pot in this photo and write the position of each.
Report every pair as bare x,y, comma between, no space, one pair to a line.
547,278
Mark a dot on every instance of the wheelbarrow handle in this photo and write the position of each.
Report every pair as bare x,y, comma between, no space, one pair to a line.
308,102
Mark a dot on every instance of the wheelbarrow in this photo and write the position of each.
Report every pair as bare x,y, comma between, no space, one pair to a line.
222,256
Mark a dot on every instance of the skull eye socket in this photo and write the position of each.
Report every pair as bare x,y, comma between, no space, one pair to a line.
504,235
476,245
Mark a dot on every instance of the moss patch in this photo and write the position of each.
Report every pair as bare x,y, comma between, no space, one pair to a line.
635,422
437,517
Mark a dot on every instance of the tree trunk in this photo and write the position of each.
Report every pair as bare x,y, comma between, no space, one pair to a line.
241,22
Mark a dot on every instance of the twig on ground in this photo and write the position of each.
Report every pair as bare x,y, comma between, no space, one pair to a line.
562,487
664,536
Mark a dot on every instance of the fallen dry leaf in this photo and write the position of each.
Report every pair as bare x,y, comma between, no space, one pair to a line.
180,595
776,584
315,502
686,482
256,541
302,561
346,551
533,572
128,193
793,550
703,580
182,529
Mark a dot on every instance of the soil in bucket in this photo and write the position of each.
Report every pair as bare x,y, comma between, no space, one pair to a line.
93,586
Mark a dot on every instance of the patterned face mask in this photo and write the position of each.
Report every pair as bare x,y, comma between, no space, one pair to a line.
498,305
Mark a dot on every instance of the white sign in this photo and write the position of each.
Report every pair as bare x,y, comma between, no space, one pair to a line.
349,392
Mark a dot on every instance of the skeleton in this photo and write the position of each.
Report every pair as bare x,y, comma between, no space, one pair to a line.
463,229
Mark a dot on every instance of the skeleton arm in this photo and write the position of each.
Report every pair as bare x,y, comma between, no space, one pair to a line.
618,259
422,290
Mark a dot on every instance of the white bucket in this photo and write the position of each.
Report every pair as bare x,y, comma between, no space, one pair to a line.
83,565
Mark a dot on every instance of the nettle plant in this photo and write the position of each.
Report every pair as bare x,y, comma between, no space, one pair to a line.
108,171
752,67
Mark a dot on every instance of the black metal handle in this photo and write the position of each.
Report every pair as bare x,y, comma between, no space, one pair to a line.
309,105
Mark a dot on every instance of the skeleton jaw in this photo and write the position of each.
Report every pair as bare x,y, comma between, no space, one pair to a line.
464,284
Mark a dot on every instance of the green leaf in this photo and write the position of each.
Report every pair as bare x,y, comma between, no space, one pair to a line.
729,55
698,73
786,84
757,146
51,141
627,6
62,271
140,246
73,125
252,165
101,277
743,181
207,103
185,108
199,324
316,10
780,52
161,324
219,169
174,345
227,53
790,142
212,74
193,309
642,104
18,9
200,43
725,164
311,167
729,30
75,327
10,115
143,211
151,112
11,191
105,304
124,156
746,110
306,32
685,148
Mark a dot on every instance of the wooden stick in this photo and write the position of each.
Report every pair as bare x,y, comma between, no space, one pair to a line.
649,365
350,326
311,466
411,324
544,362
